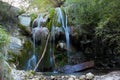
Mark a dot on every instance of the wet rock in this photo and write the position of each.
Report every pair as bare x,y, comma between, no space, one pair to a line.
40,32
40,20
58,31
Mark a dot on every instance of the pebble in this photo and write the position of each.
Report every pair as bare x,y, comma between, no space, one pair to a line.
89,76
73,76
82,77
70,78
28,76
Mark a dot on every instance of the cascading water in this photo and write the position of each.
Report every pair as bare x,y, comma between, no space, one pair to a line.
33,60
52,46
62,18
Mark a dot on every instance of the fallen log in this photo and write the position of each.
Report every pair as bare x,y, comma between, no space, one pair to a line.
77,67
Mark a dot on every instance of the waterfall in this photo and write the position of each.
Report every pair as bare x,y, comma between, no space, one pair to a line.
52,45
32,62
52,51
62,18
33,59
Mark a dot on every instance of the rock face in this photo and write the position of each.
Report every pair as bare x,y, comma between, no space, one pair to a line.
15,45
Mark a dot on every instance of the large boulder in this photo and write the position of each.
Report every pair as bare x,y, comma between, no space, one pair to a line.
40,33
15,45
24,20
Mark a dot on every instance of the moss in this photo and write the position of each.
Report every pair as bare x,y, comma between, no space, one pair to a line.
24,55
24,30
51,19
60,58
4,38
33,16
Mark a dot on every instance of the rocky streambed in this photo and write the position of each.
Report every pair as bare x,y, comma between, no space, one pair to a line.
30,75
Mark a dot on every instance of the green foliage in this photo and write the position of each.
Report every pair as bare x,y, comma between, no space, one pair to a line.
101,17
109,25
33,16
4,38
42,5
51,18
82,11
60,59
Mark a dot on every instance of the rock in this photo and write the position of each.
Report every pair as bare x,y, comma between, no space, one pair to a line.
82,77
15,45
24,20
114,75
58,30
40,20
70,78
15,75
89,76
61,45
40,33
52,77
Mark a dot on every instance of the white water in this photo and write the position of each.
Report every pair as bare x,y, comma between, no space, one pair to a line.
63,19
33,60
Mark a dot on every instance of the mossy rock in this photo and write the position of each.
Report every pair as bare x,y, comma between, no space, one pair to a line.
25,54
